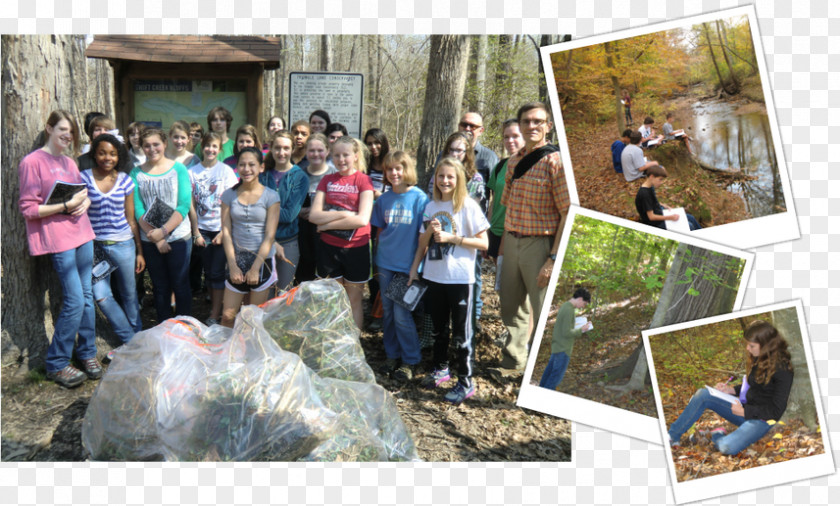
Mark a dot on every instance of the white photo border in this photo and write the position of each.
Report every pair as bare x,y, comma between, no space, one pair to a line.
746,479
743,234
595,414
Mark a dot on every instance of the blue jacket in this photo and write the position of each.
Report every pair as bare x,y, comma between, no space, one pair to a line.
292,192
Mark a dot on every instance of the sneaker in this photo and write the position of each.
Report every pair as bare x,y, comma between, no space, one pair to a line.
68,377
404,373
389,366
435,378
716,433
92,368
212,321
375,325
460,393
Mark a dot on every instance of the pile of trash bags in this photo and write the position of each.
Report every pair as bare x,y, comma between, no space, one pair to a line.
288,382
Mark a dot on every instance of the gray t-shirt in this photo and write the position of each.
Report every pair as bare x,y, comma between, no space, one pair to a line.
668,131
248,222
632,159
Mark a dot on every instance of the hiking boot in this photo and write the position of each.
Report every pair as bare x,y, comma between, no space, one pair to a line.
92,368
501,375
69,377
389,366
435,378
404,373
460,393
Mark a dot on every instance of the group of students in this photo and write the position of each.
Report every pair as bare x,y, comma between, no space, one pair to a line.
299,207
628,159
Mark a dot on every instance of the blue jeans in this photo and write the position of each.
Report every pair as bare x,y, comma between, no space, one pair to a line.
77,315
125,319
170,273
399,332
555,370
747,433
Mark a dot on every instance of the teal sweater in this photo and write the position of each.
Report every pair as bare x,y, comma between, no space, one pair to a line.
565,333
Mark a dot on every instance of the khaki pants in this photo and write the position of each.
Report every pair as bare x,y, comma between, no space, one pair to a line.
524,257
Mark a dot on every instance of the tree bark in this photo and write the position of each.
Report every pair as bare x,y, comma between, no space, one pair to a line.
41,73
326,53
481,74
619,108
697,280
801,403
445,83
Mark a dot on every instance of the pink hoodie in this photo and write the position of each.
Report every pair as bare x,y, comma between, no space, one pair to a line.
38,172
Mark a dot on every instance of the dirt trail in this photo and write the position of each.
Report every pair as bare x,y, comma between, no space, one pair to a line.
42,422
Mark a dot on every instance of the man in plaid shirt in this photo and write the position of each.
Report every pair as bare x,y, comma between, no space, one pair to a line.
537,201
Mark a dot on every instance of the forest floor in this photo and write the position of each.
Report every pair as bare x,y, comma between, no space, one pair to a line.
601,189
42,421
616,333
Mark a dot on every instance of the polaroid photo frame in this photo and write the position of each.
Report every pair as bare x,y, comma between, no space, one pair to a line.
589,412
768,475
747,233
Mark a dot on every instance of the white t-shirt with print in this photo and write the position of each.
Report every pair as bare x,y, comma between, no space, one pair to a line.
458,263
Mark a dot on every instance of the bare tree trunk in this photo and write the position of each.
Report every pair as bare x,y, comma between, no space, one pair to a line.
371,78
41,73
326,53
714,60
801,403
481,74
445,82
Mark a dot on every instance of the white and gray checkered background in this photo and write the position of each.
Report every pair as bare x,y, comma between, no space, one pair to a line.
607,468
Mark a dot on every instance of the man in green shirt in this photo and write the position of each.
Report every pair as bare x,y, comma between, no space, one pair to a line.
563,338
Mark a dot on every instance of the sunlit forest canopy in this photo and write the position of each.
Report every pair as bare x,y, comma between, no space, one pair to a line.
653,67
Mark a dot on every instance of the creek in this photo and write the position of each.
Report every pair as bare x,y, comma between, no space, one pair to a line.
724,137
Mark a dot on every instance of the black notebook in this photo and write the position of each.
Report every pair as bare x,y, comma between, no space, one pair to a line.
245,260
102,264
61,192
158,213
405,296
347,235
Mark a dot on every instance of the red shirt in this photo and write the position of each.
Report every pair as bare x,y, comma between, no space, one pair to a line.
343,192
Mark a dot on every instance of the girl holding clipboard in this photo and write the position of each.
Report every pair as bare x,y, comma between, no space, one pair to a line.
762,397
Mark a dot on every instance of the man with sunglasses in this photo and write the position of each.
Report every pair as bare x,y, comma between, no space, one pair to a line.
485,158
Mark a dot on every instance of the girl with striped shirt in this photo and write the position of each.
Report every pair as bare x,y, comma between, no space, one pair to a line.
111,213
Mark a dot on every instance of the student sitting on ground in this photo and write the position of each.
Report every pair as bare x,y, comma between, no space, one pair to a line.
649,133
648,206
563,338
669,132
633,163
618,147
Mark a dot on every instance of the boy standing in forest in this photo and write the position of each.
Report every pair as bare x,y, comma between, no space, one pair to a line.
563,338
618,147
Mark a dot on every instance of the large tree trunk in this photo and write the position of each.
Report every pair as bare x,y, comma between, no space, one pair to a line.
40,73
445,82
801,403
326,53
697,281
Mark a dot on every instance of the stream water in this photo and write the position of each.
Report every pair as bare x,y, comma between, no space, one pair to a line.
723,139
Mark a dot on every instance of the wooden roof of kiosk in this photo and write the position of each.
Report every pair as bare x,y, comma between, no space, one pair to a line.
192,57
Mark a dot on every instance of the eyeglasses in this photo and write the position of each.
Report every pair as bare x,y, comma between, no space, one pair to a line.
456,151
470,126
533,122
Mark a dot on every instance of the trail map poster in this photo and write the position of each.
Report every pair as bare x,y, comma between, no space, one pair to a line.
340,94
